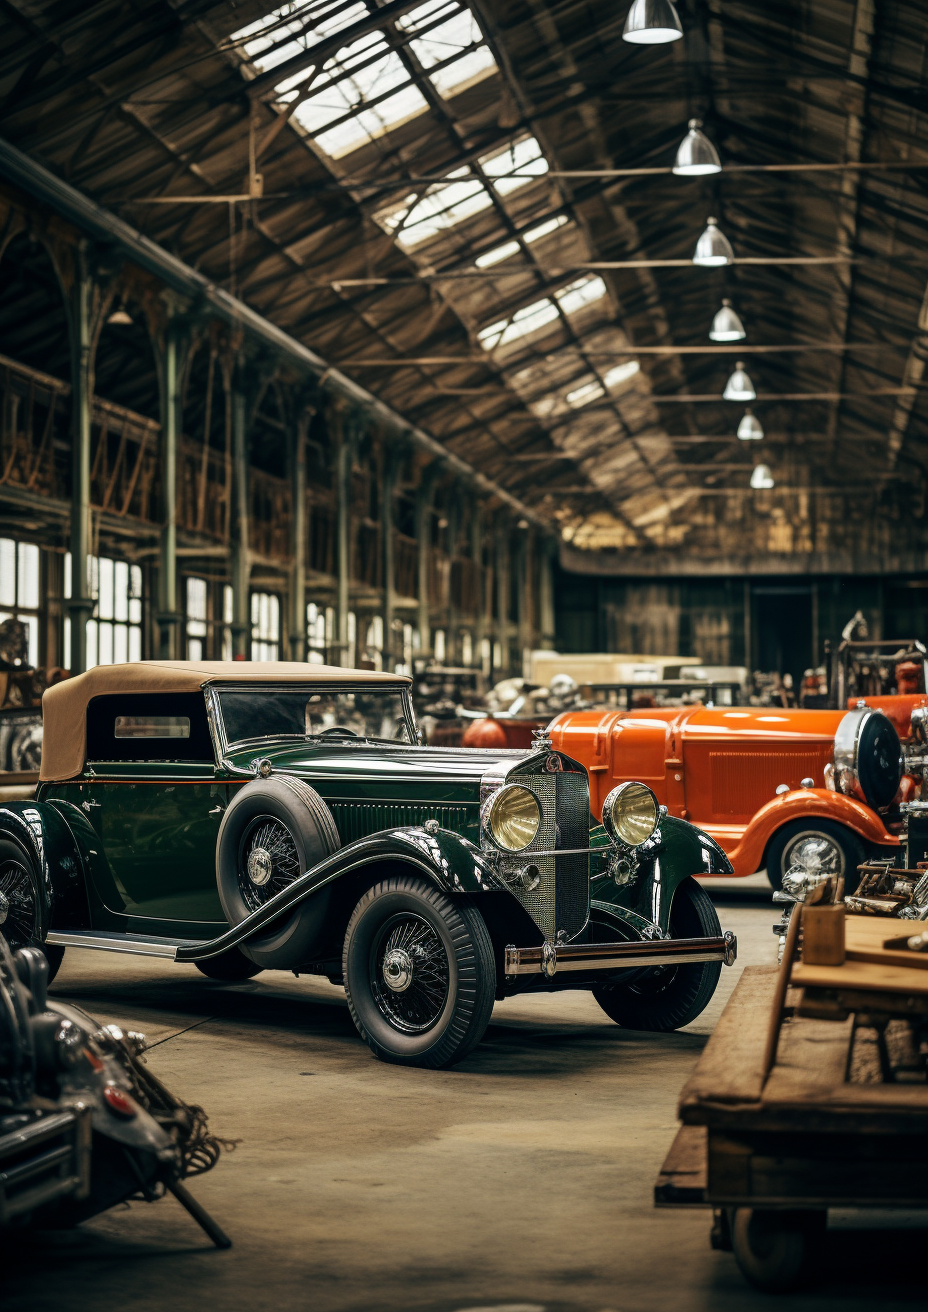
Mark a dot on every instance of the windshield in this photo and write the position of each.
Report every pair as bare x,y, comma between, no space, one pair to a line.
339,715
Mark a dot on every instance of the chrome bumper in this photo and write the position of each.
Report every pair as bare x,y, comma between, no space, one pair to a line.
549,958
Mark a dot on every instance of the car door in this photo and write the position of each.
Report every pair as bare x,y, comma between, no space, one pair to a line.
157,817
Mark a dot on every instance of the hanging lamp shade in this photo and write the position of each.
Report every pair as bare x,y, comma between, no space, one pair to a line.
727,326
761,477
739,386
120,316
652,23
750,428
696,154
713,247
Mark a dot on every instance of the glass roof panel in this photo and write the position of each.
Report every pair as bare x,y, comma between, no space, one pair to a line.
584,394
457,34
580,293
443,207
527,320
621,373
496,254
521,157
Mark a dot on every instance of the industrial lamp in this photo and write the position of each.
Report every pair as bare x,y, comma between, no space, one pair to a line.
696,154
120,316
761,477
727,325
713,247
750,430
652,23
739,386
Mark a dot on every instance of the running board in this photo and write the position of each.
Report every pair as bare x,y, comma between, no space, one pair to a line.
139,945
550,958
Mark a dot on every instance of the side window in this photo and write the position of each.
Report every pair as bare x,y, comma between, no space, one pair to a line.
148,727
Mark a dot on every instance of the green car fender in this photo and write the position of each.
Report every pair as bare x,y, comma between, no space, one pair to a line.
647,894
58,858
454,863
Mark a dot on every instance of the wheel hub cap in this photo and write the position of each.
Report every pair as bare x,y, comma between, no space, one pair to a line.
397,970
816,856
259,865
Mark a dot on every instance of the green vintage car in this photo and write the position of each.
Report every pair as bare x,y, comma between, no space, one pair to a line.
249,816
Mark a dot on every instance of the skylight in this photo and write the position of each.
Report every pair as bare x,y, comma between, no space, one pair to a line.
621,373
448,203
458,38
527,320
511,247
580,294
584,394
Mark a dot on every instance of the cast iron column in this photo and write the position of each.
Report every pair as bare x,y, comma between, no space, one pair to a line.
546,594
393,458
80,604
241,564
168,618
424,496
502,594
298,541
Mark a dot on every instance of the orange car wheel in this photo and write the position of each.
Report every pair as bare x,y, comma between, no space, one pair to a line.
817,847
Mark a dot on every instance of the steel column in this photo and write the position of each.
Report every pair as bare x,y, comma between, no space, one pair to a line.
344,459
241,562
298,535
546,595
424,495
80,604
168,618
503,575
392,459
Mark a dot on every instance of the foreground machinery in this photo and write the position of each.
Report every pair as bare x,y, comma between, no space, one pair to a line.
84,1125
776,788
243,817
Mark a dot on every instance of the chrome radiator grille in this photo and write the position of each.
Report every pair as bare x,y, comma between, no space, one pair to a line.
561,900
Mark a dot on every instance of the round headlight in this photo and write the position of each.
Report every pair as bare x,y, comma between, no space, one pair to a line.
630,814
513,817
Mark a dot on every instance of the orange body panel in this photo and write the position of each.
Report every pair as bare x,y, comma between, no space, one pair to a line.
899,709
720,768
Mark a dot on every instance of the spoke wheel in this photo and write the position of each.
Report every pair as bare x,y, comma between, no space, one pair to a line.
268,861
17,897
820,847
409,974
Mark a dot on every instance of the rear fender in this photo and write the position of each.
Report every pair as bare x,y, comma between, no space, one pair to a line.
806,804
449,861
684,851
58,857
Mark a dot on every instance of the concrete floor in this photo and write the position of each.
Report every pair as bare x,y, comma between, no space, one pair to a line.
519,1181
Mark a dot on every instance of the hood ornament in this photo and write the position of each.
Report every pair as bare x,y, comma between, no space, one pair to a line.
541,740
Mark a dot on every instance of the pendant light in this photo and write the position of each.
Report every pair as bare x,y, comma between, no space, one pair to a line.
727,326
750,429
120,316
739,387
652,23
761,477
696,154
713,247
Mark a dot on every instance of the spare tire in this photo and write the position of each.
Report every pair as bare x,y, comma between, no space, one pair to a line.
868,757
273,831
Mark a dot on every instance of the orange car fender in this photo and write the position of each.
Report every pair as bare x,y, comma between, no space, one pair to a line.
803,804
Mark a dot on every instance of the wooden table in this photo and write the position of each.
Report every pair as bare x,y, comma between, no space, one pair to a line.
771,1152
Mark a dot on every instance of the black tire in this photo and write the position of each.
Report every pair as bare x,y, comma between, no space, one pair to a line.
774,1249
669,997
831,847
25,923
229,966
297,830
447,1015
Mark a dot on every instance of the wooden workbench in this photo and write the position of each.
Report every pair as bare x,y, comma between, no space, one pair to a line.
801,1139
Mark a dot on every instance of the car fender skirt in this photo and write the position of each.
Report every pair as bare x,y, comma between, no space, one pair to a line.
448,860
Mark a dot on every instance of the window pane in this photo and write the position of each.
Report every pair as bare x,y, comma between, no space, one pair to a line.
28,576
152,726
105,656
120,644
135,644
105,605
92,644
120,590
7,572
67,574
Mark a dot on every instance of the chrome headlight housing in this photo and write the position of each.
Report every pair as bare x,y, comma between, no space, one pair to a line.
868,757
630,814
512,818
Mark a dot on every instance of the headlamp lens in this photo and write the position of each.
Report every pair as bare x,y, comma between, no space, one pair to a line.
514,818
630,814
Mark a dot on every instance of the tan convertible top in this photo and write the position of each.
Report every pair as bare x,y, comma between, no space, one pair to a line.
64,707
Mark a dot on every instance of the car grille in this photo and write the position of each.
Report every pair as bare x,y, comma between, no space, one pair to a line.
561,901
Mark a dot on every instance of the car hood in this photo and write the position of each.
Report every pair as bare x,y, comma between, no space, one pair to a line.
381,760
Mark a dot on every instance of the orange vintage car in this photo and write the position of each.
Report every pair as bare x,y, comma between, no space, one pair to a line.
775,788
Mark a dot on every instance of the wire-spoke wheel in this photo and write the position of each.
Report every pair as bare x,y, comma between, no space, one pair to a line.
817,847
23,911
409,973
268,861
419,973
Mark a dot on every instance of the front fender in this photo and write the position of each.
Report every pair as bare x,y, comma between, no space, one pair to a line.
684,851
47,836
450,861
805,804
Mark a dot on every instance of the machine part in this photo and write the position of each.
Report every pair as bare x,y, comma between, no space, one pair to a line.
672,995
419,973
630,814
817,847
272,831
868,757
